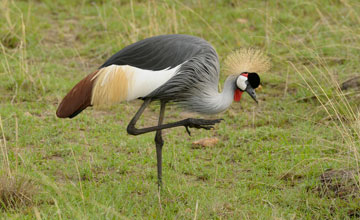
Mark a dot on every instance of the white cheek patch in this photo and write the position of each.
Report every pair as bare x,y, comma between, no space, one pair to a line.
240,82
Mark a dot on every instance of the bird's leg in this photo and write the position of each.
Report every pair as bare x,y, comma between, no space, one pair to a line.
131,126
159,142
187,123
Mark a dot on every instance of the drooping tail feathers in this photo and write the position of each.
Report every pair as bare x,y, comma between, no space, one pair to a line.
77,99
106,86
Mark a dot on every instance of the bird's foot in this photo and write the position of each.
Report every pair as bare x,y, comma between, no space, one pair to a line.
200,124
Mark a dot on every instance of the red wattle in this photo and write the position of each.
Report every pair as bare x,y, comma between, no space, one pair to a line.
237,95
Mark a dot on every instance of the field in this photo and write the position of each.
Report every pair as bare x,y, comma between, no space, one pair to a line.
293,156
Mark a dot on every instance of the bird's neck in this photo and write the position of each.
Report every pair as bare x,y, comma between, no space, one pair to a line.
221,101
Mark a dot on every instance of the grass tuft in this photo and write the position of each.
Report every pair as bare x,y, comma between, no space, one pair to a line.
16,192
10,41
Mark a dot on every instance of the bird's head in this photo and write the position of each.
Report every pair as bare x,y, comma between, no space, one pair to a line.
248,62
247,82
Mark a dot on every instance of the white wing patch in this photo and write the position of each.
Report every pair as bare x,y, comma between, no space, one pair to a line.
116,83
143,82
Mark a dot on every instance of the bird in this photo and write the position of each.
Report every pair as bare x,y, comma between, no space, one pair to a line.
176,68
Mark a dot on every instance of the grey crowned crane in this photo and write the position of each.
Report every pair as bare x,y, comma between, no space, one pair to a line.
170,68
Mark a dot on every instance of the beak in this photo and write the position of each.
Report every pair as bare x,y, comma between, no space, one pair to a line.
251,92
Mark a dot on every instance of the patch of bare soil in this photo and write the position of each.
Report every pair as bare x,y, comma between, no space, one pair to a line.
205,142
352,83
342,184
339,184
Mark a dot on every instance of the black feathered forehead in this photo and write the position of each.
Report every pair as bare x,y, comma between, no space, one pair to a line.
254,80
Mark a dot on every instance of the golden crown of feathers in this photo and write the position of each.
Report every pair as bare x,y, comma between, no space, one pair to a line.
247,60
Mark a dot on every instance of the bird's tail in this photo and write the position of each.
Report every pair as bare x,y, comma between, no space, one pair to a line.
78,99
106,86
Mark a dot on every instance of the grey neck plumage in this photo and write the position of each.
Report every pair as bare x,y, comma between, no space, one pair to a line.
221,101
211,101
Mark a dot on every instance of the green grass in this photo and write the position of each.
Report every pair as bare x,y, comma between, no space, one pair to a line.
270,157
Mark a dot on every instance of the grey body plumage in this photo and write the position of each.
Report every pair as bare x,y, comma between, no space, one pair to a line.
159,52
195,85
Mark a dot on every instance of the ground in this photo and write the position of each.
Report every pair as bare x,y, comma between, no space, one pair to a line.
292,156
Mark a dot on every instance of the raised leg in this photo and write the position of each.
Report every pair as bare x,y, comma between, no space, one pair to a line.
159,142
187,123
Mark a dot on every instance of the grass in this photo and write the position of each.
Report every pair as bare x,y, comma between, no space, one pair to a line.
15,192
271,158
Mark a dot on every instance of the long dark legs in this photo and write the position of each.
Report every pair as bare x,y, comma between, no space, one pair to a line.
187,123
159,142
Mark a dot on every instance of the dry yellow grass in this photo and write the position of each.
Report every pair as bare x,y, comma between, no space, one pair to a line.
16,192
